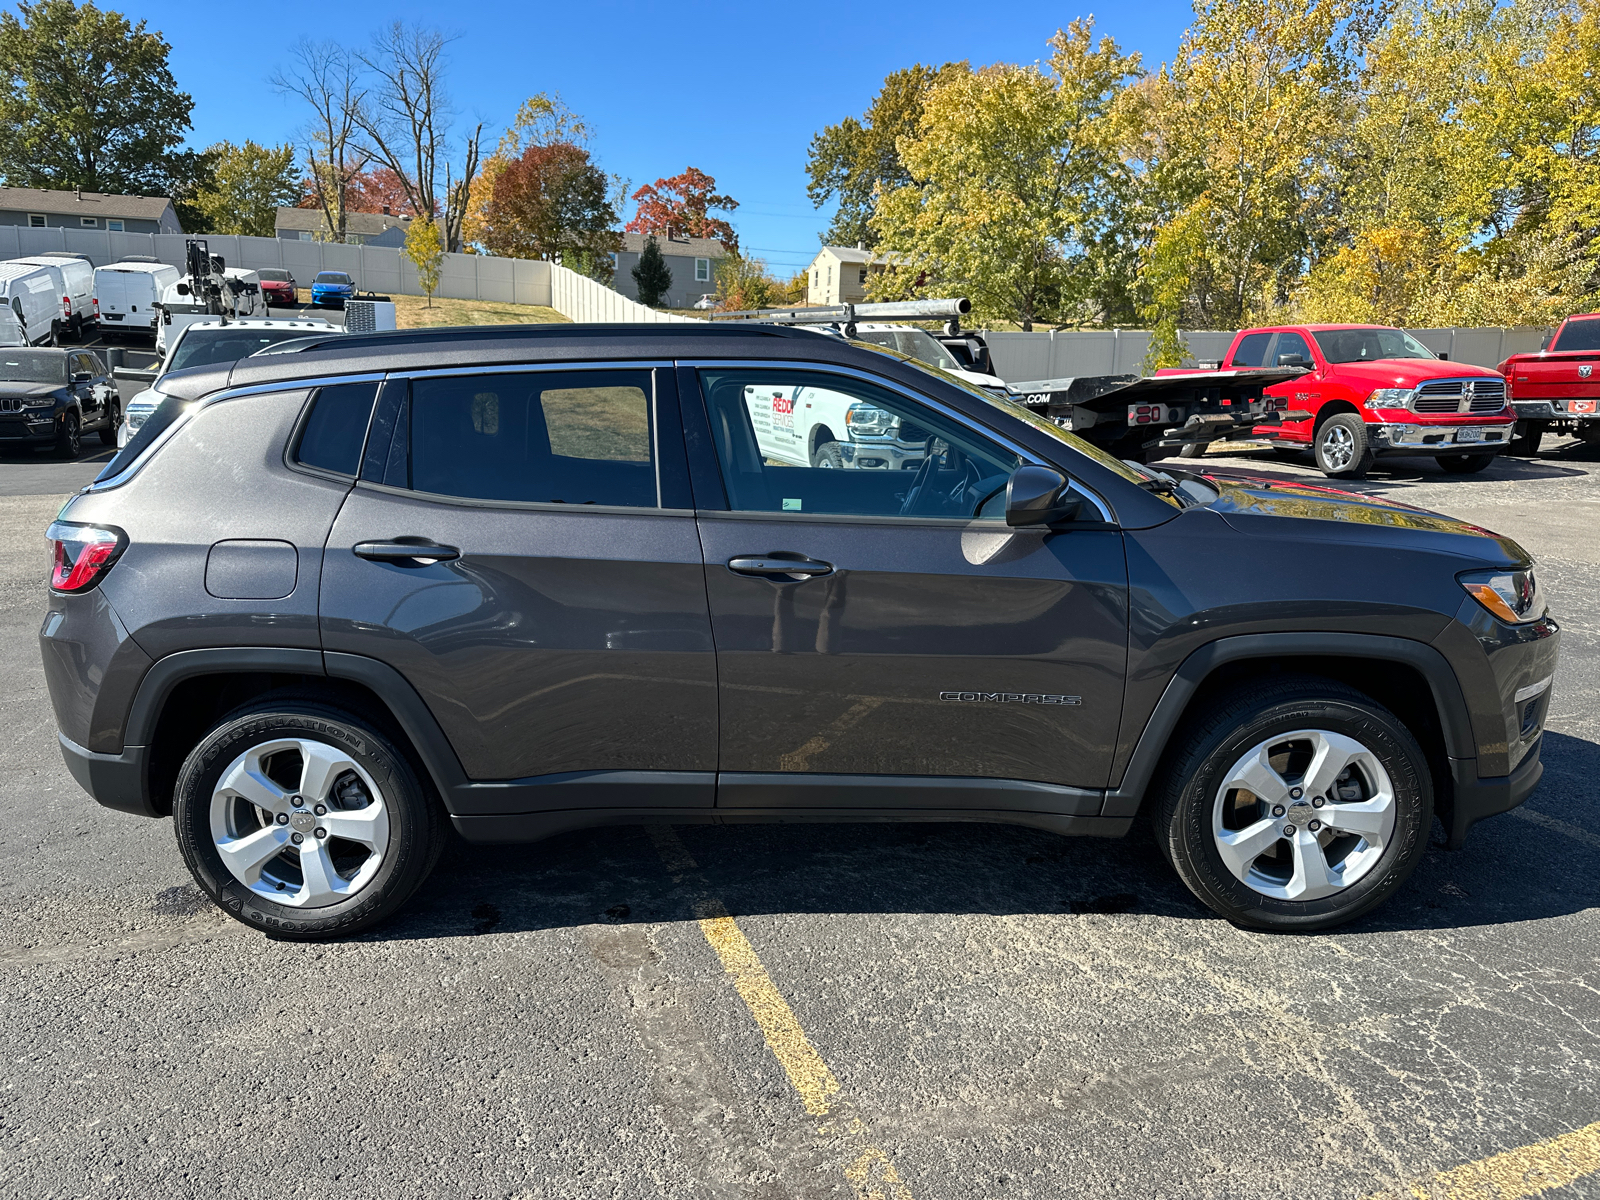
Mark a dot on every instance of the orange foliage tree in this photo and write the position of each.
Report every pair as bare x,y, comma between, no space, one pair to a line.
681,204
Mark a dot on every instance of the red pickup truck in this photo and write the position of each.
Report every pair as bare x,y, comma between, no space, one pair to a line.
1557,389
1375,391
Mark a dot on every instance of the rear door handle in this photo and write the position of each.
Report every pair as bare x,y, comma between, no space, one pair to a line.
406,550
763,564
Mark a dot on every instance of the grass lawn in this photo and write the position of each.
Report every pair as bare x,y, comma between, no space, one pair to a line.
411,312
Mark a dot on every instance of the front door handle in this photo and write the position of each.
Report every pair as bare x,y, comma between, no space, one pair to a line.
404,550
766,564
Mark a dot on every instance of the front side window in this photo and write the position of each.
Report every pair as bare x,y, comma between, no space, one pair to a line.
702,270
1292,343
796,441
559,437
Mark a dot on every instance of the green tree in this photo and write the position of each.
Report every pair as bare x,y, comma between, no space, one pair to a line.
745,283
88,101
248,185
858,158
425,248
652,276
1011,172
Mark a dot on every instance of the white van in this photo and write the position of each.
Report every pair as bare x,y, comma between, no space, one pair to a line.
77,273
243,298
34,295
129,292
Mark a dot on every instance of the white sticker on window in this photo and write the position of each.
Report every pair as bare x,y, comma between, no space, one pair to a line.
790,505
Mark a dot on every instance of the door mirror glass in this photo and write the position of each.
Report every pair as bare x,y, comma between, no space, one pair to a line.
1291,360
82,377
1038,496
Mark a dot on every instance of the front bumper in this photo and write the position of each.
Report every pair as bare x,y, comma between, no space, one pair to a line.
329,299
881,454
1477,798
34,427
1409,438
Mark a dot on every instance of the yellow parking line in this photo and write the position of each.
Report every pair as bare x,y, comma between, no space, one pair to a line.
1515,1174
868,1169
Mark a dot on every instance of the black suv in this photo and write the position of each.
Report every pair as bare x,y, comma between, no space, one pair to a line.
53,397
525,580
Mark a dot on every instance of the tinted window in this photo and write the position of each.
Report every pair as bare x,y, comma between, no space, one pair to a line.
207,347
1579,335
569,437
1252,350
336,428
1368,345
332,277
802,442
1291,343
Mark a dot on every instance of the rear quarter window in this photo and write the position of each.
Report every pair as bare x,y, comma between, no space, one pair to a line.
336,428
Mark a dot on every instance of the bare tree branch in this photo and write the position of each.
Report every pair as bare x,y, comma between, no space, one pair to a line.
327,78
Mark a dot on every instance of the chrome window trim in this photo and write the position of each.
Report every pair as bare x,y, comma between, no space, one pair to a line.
613,364
226,394
944,410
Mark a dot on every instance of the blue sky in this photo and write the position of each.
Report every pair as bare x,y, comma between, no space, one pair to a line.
734,89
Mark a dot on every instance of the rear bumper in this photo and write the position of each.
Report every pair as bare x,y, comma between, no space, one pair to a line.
114,780
1477,798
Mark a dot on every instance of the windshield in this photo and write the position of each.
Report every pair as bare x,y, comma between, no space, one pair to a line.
916,343
206,347
273,275
1368,345
1579,335
332,277
33,366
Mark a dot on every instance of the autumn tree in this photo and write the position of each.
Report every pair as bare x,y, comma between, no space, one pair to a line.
745,283
425,249
541,120
682,204
858,158
328,79
87,100
1009,168
551,202
652,277
246,187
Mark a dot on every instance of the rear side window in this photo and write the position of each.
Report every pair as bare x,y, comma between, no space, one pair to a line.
1252,350
1579,335
564,437
336,428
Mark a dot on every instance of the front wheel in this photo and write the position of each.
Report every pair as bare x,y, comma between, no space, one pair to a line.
828,454
1192,450
1464,464
69,438
304,821
1298,804
108,431
1343,449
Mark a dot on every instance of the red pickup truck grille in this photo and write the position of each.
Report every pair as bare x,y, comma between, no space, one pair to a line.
1461,396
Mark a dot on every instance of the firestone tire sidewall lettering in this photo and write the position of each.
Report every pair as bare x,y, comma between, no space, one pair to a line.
1193,848
414,839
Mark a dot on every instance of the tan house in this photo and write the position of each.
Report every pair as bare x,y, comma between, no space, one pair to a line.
838,274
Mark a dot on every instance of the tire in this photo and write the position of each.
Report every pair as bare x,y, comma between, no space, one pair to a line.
1192,450
368,788
55,334
1525,443
827,454
1342,447
1195,812
1464,464
108,431
69,442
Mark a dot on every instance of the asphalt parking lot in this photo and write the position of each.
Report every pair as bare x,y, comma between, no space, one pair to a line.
929,1011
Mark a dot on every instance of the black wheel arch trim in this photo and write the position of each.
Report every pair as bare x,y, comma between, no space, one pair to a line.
1454,721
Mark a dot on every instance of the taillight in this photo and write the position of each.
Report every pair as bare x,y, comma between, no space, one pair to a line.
66,307
97,308
83,554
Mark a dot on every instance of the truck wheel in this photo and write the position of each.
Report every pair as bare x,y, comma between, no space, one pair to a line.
827,454
303,821
69,440
1192,450
1342,447
1464,464
1295,805
1525,443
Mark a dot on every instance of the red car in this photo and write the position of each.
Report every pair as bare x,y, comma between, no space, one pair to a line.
278,286
1557,389
1372,391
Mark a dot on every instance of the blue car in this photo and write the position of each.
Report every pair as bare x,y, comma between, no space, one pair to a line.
330,289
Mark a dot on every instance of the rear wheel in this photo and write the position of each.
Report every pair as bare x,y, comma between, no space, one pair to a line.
1464,464
1525,443
1296,805
69,438
1192,450
1342,447
304,821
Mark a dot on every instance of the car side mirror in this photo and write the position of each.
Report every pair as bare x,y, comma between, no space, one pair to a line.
1444,356
1545,345
183,289
1038,496
1291,360
82,377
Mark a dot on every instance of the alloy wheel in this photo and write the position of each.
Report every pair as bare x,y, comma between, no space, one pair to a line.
1338,447
1304,815
299,822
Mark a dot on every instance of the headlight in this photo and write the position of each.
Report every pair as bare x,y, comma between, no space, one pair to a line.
137,417
1512,596
39,401
867,421
1389,398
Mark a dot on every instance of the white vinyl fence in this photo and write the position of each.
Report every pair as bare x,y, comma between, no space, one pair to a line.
582,299
1067,354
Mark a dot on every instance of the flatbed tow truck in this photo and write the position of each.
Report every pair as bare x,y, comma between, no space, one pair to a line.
1129,416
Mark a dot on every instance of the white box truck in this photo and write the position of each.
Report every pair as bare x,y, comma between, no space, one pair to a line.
79,308
129,291
32,294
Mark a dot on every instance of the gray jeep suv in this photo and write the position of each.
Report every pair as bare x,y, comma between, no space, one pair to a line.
333,600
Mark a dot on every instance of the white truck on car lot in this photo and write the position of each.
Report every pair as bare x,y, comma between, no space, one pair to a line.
129,292
206,343
33,297
79,307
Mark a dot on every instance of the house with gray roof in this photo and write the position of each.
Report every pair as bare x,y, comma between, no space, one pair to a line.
692,262
839,274
73,208
361,229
